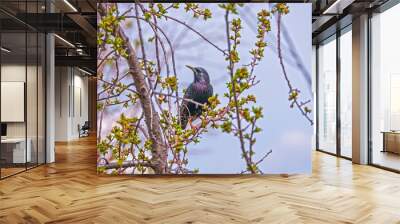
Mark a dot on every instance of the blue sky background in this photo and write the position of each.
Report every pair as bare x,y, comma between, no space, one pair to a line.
285,131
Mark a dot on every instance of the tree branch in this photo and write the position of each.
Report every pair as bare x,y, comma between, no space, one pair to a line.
231,68
291,89
159,154
198,33
126,164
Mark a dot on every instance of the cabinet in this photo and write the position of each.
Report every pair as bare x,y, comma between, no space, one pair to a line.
391,142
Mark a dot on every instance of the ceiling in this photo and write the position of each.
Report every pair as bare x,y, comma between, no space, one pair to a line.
332,15
74,22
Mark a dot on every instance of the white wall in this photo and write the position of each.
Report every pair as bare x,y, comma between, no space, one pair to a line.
13,101
80,110
62,81
71,102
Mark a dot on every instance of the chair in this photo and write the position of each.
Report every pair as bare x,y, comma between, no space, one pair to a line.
84,130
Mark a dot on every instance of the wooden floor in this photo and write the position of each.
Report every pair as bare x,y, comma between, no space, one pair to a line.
69,191
387,159
5,172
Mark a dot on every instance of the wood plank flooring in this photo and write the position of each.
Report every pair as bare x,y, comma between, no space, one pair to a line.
70,191
10,171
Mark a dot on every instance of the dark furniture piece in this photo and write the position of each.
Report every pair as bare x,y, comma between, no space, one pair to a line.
3,129
84,130
391,141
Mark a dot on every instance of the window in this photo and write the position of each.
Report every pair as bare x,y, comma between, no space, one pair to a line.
327,96
346,93
22,101
385,89
334,138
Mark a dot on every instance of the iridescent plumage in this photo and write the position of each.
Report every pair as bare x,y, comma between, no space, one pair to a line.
199,91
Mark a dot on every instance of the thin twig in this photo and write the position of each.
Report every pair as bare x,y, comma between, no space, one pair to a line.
264,157
231,68
126,164
198,33
291,89
179,98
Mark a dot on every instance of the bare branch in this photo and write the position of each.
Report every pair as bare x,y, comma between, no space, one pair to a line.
264,157
291,89
198,33
126,164
179,98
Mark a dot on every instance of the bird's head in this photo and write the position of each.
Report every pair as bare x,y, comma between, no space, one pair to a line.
200,74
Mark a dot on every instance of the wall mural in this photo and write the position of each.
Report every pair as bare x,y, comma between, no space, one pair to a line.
187,88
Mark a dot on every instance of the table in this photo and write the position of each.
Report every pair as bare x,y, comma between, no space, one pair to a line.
13,150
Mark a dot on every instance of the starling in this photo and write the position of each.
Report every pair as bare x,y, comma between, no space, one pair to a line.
199,91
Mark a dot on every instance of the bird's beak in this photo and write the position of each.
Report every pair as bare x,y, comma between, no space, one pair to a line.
190,67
